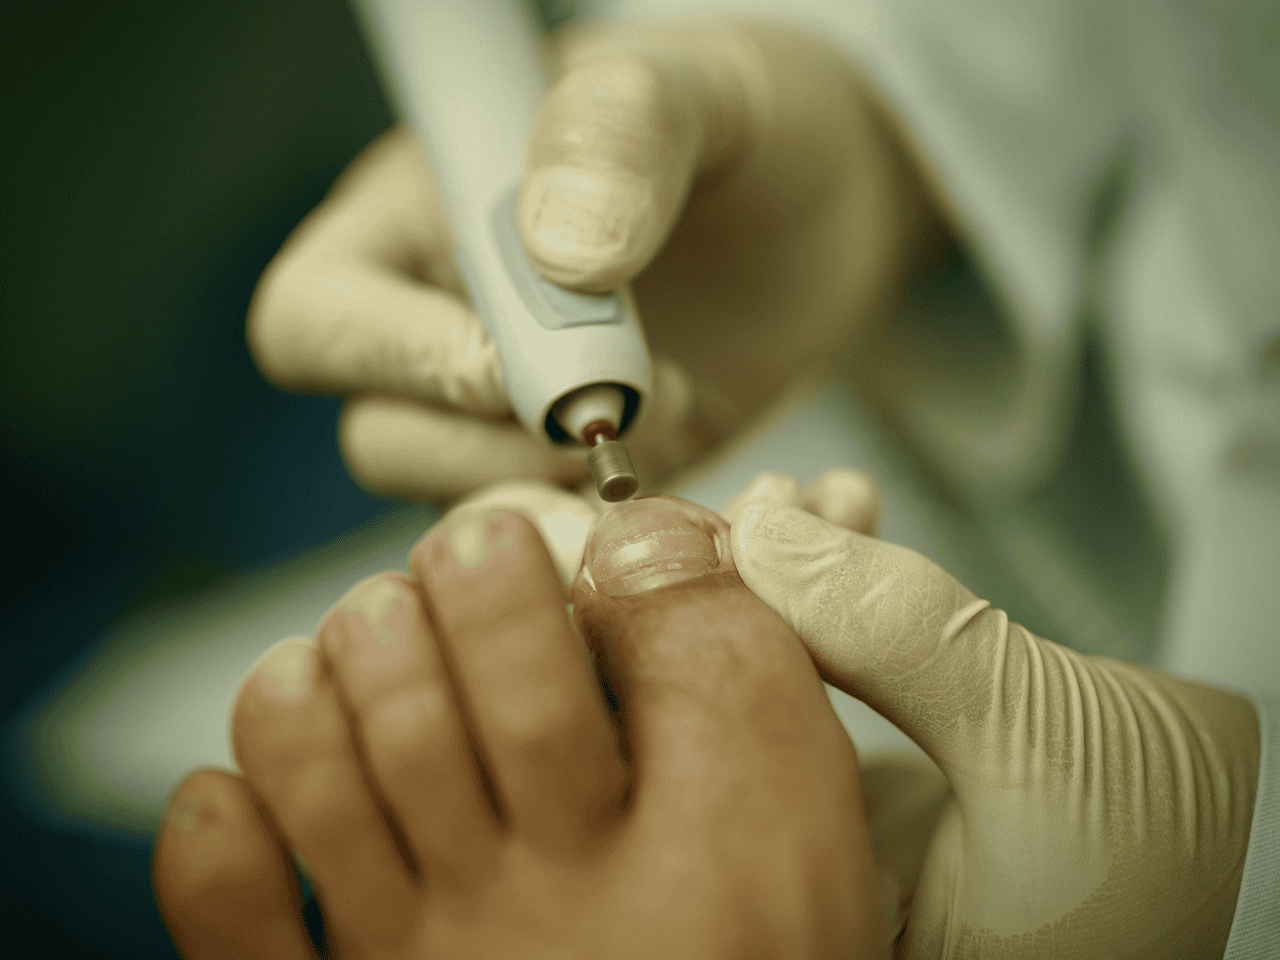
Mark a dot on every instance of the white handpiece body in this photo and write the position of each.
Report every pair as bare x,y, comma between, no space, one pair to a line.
469,79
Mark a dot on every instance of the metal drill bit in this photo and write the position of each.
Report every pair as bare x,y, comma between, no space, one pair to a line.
610,463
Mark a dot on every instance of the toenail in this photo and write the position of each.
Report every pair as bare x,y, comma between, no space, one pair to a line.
191,813
474,535
382,607
289,672
646,544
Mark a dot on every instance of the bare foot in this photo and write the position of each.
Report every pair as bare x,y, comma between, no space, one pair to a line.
444,759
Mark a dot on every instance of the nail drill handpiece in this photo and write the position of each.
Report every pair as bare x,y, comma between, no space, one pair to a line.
468,76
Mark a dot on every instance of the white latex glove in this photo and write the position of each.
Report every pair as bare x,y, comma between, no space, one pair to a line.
1098,809
742,170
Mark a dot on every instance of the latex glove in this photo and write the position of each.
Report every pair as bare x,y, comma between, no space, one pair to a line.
738,175
1098,809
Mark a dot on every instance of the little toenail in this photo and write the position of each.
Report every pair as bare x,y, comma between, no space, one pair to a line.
475,535
646,544
289,672
189,813
383,610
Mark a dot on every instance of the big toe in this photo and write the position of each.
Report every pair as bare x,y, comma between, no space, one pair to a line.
690,654
733,741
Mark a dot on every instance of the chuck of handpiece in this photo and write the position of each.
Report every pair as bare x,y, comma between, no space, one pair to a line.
592,415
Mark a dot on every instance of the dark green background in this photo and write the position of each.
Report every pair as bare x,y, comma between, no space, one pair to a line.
155,155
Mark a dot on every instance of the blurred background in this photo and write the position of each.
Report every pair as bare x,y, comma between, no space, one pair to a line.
155,157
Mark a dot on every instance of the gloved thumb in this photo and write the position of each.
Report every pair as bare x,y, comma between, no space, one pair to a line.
616,146
891,628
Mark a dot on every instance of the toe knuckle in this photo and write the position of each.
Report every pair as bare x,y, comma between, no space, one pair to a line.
318,801
540,722
315,819
402,729
185,877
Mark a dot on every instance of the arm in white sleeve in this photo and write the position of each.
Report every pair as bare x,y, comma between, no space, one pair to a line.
1014,112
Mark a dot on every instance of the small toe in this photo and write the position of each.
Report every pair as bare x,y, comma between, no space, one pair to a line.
295,746
528,683
223,882
390,673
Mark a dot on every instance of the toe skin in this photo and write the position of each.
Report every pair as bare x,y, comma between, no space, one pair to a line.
390,672
727,717
222,881
700,657
562,518
295,744
525,680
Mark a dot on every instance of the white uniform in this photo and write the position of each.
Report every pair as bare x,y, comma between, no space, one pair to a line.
1115,169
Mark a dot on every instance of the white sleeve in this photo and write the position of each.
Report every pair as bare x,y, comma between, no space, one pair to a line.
1255,931
1104,158
1016,111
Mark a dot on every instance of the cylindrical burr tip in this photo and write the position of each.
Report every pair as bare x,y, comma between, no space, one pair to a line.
612,471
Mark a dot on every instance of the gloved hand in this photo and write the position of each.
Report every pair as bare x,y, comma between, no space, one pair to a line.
1097,808
740,176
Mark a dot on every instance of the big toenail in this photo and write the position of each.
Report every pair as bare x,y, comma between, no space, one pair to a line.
473,535
289,672
646,544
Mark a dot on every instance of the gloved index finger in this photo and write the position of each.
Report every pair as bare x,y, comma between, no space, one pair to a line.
886,625
344,328
346,308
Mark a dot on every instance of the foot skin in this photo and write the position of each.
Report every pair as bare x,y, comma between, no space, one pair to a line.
445,761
